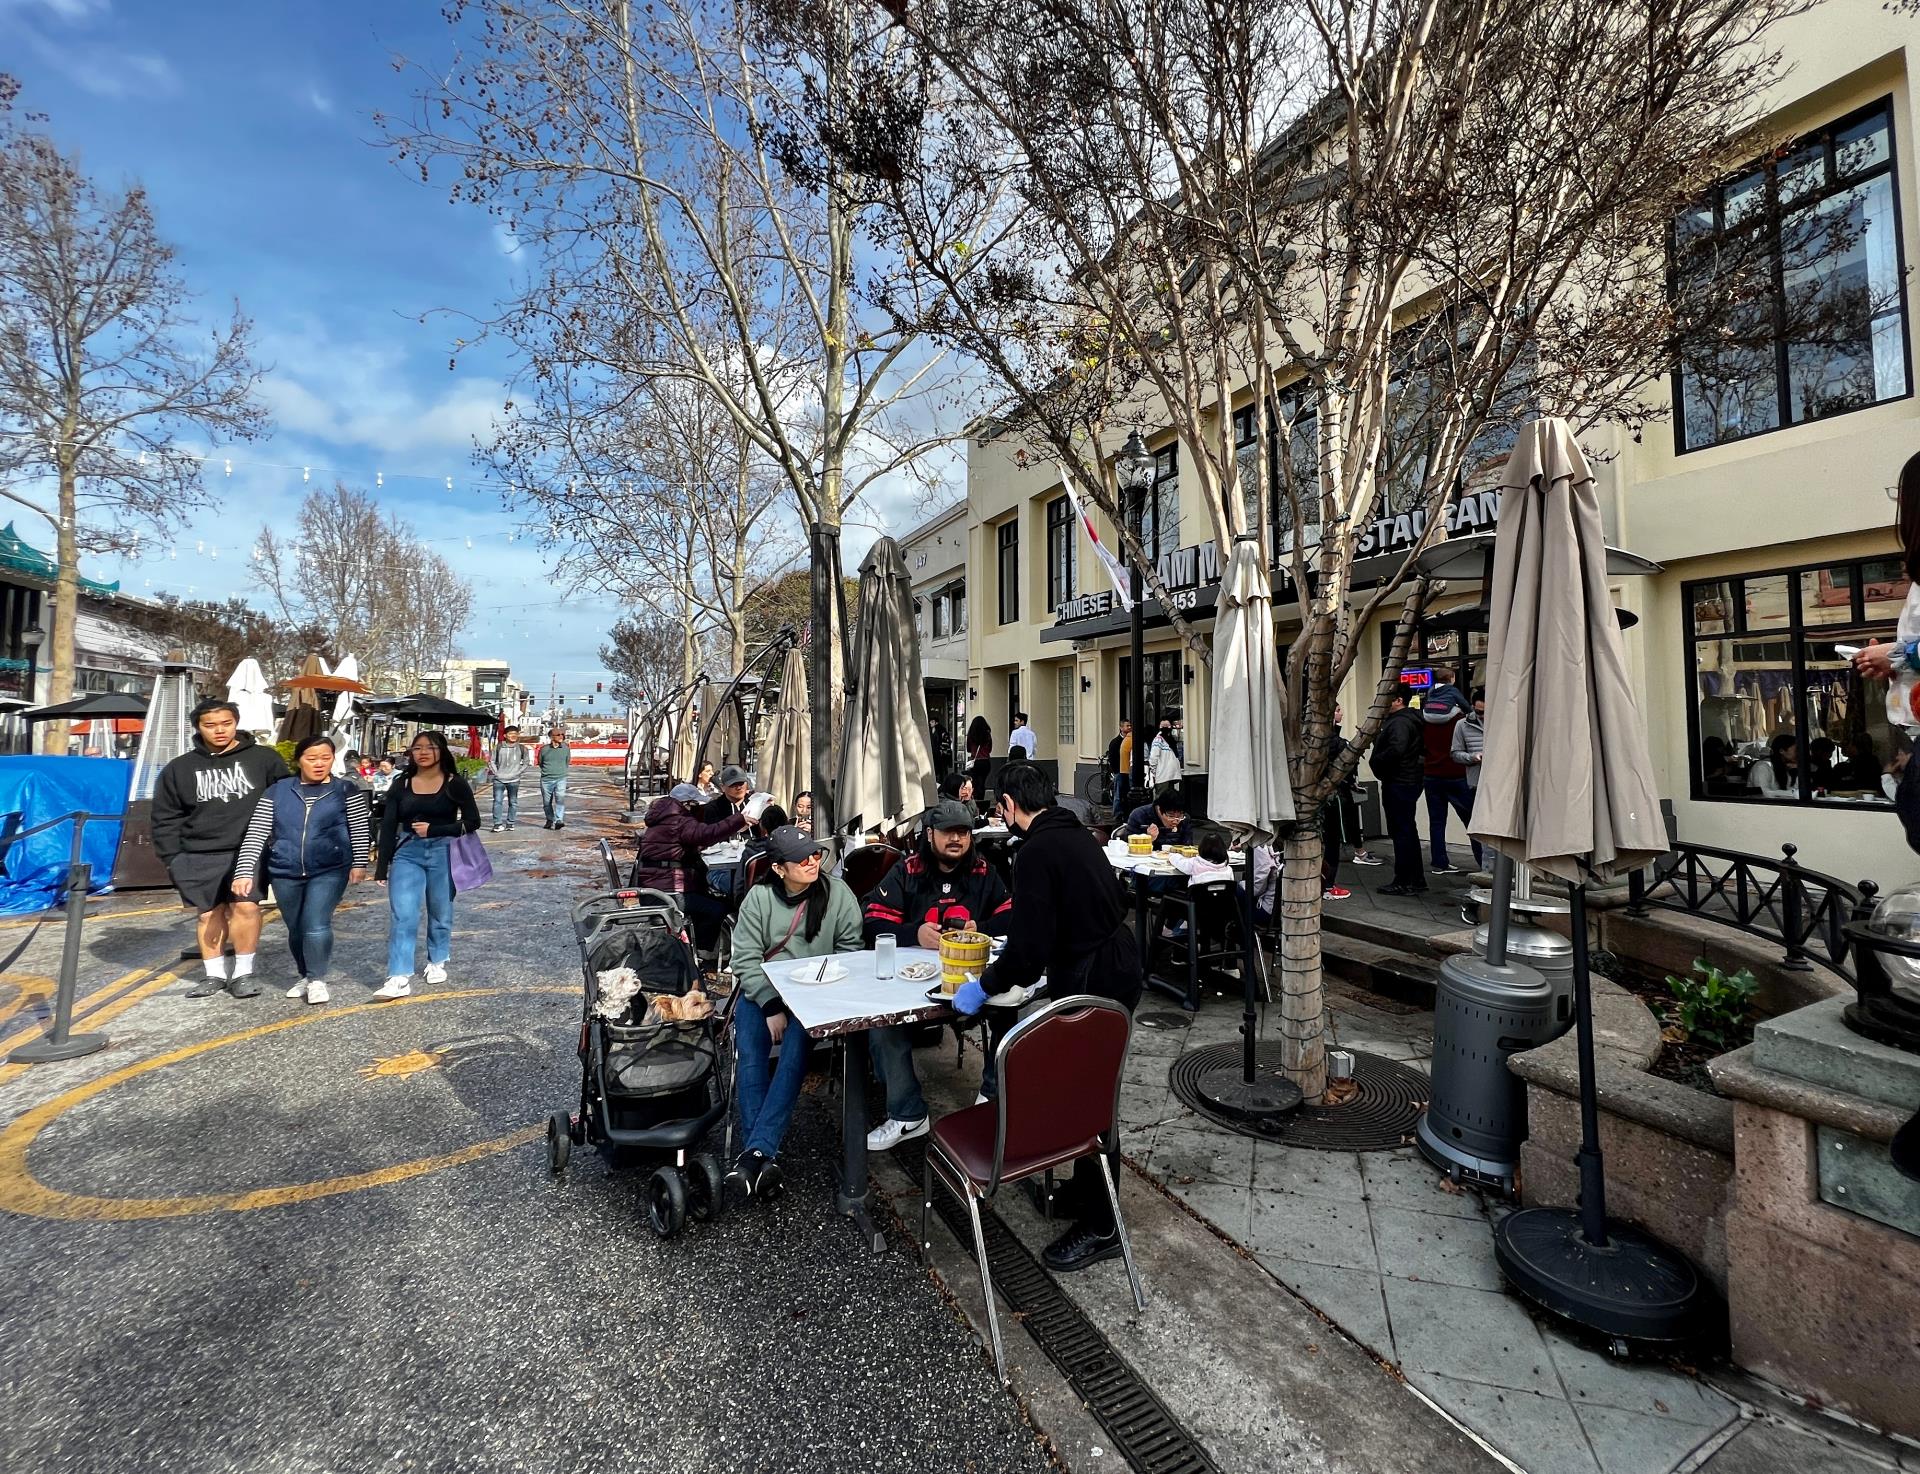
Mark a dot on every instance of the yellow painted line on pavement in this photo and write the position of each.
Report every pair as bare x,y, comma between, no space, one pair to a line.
86,1007
31,985
101,1013
56,912
21,1192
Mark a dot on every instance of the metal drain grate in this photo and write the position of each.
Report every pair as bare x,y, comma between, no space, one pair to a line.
1381,1117
1144,1433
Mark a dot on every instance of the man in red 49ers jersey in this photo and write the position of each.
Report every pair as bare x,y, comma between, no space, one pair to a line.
942,886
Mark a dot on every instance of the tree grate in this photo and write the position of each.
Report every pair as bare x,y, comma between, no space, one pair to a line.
1143,1431
1379,1118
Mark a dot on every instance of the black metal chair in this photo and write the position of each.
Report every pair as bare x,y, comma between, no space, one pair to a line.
1212,907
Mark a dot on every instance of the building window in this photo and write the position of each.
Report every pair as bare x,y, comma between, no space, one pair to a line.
1158,523
1007,539
940,616
1778,716
1163,690
1293,421
1060,552
1807,249
1069,695
958,608
1013,700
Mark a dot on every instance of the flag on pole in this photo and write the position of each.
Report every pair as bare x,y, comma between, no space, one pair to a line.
1116,570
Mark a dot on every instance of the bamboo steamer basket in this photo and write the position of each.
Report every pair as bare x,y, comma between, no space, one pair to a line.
963,956
1139,844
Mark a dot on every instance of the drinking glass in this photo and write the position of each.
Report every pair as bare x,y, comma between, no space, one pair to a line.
883,948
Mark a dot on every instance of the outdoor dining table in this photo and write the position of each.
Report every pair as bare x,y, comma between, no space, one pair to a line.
723,859
846,1009
1141,867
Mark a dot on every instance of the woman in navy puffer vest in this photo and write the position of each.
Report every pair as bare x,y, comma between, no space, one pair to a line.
310,833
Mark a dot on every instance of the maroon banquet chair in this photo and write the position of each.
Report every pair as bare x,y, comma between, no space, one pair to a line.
866,867
1059,1101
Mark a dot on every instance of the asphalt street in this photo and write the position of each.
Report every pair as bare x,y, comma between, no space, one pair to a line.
254,1235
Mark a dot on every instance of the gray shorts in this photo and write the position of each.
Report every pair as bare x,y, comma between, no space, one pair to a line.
204,878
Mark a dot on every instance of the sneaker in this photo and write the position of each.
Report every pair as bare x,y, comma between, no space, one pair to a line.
243,986
743,1173
298,990
890,1133
497,828
1403,890
560,824
1443,869
207,987
1336,893
317,992
549,824
1079,1248
1361,857
394,987
436,974
769,1182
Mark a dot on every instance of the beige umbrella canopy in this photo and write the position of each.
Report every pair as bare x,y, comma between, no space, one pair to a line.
785,752
680,764
724,743
304,717
1250,788
886,761
1566,784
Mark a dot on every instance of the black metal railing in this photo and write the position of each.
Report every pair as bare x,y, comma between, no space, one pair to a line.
1780,900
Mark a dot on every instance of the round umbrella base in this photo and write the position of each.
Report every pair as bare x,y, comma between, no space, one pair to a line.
1633,1289
1268,1097
46,1052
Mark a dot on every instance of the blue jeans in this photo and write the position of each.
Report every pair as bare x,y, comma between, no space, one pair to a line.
893,1057
419,873
767,1095
553,798
1122,784
1442,794
506,796
306,905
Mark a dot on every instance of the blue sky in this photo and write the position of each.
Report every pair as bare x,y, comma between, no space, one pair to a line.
251,124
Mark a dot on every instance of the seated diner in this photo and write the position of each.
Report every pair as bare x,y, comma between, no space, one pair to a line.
670,858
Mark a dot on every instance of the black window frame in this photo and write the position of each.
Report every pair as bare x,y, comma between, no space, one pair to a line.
1165,670
1007,565
1148,525
1062,564
1770,217
1798,635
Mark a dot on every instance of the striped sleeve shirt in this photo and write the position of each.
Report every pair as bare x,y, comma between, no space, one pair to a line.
260,830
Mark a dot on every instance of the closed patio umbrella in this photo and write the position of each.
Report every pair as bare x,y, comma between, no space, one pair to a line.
1250,790
1566,785
304,717
247,689
680,759
885,771
783,765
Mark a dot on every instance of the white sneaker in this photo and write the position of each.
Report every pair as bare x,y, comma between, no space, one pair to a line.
317,992
394,988
436,974
298,990
889,1134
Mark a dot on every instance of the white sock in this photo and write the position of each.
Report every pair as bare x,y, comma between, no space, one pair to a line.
216,967
242,964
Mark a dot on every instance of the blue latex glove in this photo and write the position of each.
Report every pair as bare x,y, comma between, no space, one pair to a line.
969,999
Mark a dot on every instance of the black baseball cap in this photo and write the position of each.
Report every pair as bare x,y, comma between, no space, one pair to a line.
789,844
950,814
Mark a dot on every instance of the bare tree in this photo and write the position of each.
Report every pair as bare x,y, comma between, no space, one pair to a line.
102,369
219,635
370,583
1385,230
643,652
682,218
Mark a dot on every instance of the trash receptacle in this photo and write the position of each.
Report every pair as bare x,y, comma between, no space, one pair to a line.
1476,1115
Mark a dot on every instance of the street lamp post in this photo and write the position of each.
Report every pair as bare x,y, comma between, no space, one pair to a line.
31,639
1133,469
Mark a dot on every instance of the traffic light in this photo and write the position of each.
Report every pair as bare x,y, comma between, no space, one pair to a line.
589,700
598,686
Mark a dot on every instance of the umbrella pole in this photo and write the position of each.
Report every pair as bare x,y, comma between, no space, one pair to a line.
1593,1178
1249,1021
1249,1093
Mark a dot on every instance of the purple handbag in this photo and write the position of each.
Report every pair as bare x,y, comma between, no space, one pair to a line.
468,863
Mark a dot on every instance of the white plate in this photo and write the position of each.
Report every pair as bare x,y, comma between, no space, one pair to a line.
918,972
809,974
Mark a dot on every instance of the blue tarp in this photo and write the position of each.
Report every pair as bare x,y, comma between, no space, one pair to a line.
36,789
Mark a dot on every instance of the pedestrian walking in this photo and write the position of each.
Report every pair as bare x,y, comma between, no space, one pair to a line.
507,767
555,758
313,832
1470,738
1021,741
1339,821
202,805
1120,764
1164,765
1444,779
1068,923
429,806
1399,762
979,753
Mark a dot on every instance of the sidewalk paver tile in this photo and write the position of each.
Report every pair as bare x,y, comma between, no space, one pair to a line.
1228,1208
1452,1331
1204,1150
1432,1246
1317,1230
1634,1443
1540,1434
1403,1179
1316,1174
1593,1378
1769,1447
1350,1298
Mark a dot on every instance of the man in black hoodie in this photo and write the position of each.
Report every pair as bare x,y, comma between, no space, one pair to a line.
1068,922
201,806
1399,761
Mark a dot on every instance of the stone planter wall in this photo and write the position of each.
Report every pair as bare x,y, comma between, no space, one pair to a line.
1668,1148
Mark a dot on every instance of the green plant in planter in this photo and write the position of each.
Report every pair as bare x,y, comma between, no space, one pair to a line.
1713,1007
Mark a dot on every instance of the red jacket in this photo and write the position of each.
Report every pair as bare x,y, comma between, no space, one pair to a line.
671,843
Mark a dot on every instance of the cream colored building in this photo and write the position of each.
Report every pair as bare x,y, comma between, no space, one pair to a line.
936,558
1765,497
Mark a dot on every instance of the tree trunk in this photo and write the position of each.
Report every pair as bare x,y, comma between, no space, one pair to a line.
1303,1056
62,644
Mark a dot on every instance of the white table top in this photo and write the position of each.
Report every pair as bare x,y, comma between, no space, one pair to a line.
859,1000
1127,863
727,852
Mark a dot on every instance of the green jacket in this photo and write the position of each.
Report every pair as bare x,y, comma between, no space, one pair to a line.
554,759
763,922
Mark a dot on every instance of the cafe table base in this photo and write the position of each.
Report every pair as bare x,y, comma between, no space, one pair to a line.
850,1193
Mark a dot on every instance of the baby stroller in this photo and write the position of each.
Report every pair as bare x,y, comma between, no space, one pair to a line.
650,1087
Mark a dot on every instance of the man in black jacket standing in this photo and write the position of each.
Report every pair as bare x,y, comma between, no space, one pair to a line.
201,806
1069,923
1399,762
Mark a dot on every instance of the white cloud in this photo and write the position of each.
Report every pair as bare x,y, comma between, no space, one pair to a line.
319,101
103,70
